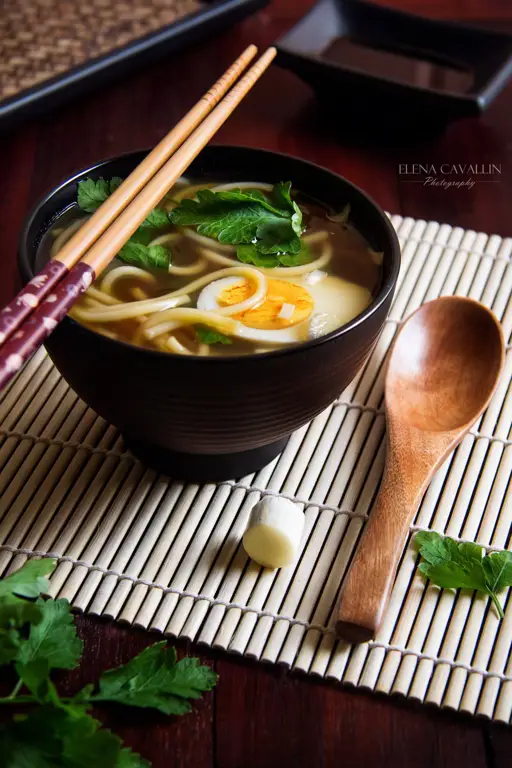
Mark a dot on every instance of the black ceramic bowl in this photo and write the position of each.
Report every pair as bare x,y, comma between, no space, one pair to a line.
217,417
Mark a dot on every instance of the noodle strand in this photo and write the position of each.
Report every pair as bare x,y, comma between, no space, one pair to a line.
179,297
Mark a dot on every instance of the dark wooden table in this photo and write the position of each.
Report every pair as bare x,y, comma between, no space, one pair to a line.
258,718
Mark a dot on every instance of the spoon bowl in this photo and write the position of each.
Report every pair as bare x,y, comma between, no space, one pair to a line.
443,369
444,365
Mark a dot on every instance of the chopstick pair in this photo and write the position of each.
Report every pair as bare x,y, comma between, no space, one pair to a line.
35,312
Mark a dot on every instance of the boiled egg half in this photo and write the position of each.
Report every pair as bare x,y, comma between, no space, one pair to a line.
276,320
294,309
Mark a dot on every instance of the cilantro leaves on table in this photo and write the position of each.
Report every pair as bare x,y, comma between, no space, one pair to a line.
54,638
259,224
38,636
55,737
29,581
453,565
208,335
15,612
156,679
137,251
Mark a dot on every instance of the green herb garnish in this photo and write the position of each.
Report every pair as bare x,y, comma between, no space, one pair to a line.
268,224
208,335
453,565
149,256
38,636
248,254
157,219
92,193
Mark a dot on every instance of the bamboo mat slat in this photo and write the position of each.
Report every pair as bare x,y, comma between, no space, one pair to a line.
144,549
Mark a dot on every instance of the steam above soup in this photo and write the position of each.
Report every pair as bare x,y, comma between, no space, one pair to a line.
225,269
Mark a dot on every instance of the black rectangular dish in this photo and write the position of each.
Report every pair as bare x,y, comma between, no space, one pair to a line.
382,65
52,51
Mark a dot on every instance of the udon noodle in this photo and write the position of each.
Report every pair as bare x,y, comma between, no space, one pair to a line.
206,301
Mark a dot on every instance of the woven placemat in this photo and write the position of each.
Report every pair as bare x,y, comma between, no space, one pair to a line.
41,39
143,549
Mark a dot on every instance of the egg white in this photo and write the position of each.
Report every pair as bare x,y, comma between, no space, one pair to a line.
207,299
336,301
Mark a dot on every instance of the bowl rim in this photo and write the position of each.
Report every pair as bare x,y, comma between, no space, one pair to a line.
387,287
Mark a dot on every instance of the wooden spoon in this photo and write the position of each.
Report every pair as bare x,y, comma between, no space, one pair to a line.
443,369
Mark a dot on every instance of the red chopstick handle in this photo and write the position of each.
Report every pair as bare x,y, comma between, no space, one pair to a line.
31,334
12,315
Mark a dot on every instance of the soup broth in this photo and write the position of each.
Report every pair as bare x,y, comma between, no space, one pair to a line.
216,287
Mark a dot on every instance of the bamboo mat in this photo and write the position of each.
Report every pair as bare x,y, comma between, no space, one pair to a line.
159,554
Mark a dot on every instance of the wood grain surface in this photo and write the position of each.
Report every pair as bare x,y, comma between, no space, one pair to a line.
258,718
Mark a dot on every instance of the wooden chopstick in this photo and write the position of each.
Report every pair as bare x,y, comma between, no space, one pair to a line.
113,239
12,315
45,317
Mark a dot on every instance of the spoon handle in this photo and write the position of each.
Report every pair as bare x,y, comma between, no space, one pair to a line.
370,578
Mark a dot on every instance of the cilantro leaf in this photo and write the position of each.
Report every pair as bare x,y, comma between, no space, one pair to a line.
22,754
455,576
208,335
155,679
245,217
58,732
129,759
54,638
114,183
462,566
227,220
15,612
498,570
29,580
152,256
255,196
282,197
55,737
250,254
157,219
9,644
296,259
91,194
277,236
34,675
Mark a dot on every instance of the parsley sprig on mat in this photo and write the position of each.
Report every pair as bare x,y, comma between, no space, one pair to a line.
38,636
462,566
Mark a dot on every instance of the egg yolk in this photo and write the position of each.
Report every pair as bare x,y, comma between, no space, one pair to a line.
266,314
